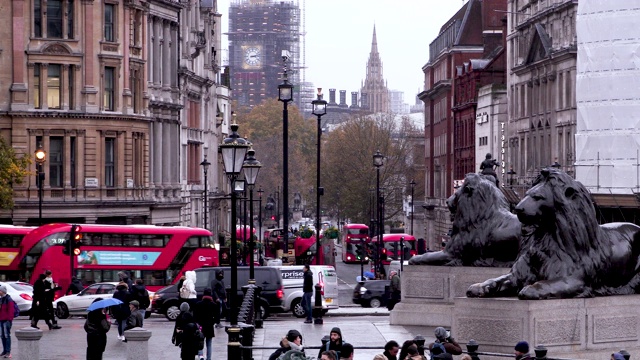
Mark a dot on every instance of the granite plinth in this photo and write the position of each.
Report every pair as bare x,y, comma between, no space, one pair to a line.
568,328
428,292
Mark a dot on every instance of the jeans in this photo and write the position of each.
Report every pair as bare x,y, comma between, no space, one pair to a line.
306,304
121,325
207,343
5,334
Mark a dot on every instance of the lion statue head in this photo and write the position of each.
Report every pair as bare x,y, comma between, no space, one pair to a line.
485,232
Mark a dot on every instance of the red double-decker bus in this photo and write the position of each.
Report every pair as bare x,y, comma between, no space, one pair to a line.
352,235
392,249
158,255
10,240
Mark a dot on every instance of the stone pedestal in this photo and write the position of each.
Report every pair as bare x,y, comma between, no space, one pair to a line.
28,343
428,292
137,343
569,328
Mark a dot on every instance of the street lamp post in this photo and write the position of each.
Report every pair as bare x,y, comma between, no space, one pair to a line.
233,150
413,185
205,166
285,94
260,191
372,219
378,161
41,157
251,168
511,173
319,109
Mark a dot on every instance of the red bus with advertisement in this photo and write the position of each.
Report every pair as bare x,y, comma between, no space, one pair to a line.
305,250
352,235
391,248
159,255
10,240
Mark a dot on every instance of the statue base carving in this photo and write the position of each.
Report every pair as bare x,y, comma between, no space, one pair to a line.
428,292
585,328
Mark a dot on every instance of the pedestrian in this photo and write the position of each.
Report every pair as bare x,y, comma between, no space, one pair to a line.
50,288
347,352
121,312
404,350
96,327
522,351
219,293
186,329
185,317
135,317
413,354
206,313
307,292
391,349
449,343
188,290
125,278
141,295
394,296
328,355
8,311
335,342
292,341
75,286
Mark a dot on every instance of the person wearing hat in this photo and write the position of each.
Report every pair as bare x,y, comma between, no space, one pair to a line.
444,338
135,319
522,351
292,341
7,313
335,342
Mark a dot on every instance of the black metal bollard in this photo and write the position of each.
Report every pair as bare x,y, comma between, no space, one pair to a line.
541,352
419,340
257,307
318,306
233,343
246,339
472,349
625,354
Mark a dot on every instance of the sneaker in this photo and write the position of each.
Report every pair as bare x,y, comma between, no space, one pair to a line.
123,339
308,321
119,337
56,327
8,356
3,353
201,357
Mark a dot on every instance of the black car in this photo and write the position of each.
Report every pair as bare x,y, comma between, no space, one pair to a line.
165,301
371,293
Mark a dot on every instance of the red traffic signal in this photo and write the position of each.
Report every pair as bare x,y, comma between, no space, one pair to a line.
273,217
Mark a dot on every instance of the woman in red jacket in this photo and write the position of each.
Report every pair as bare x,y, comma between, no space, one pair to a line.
7,313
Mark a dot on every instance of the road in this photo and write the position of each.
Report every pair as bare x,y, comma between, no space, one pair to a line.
347,274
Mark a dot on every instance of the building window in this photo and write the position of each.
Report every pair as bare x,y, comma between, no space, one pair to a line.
109,20
71,86
72,162
37,18
109,162
109,88
53,86
55,161
69,19
54,19
36,87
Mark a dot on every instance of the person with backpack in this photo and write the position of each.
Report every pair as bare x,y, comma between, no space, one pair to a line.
444,340
8,311
122,311
206,313
188,290
186,334
141,295
335,342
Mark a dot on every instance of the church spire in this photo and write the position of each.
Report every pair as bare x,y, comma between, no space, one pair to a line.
374,42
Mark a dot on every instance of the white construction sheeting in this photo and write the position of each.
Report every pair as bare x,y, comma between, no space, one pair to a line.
608,96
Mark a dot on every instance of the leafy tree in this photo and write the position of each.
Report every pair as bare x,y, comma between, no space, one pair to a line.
13,170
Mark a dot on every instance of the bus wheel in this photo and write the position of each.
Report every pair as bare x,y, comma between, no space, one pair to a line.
62,311
172,311
297,309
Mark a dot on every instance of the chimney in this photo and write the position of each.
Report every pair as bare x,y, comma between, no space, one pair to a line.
365,101
343,97
332,96
354,99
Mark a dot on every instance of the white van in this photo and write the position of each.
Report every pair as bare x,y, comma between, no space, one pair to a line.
292,281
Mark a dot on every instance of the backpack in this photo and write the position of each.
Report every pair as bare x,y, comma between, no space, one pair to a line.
16,310
438,345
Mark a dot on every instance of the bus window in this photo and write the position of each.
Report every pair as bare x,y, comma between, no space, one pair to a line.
131,239
10,241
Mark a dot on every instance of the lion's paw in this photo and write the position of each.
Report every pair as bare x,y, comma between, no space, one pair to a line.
479,290
530,292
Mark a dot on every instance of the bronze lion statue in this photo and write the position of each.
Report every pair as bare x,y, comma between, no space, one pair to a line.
564,252
485,232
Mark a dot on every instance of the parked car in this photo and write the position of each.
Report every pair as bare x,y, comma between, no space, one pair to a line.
371,293
21,293
292,280
77,304
166,301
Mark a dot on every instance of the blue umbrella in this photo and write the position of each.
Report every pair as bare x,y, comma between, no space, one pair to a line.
100,304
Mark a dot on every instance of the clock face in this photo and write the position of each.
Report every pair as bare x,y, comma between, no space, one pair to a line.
252,56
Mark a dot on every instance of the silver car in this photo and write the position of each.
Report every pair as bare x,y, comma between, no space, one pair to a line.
21,293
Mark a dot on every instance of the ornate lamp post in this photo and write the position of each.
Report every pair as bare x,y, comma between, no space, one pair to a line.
251,168
233,150
205,166
41,157
319,109
413,185
378,161
285,94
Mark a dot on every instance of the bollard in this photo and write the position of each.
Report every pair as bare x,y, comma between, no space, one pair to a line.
257,307
246,339
318,306
625,354
419,340
233,343
472,349
541,352
137,343
28,343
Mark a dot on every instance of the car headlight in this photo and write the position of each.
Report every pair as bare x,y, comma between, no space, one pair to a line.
363,290
156,297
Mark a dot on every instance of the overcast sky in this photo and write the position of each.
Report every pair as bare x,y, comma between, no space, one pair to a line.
339,33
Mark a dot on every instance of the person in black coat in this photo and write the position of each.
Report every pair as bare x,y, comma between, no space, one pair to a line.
96,327
307,292
219,294
184,333
121,312
38,305
139,293
75,286
206,313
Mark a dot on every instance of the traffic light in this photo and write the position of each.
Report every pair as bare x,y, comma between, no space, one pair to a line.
74,242
359,252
